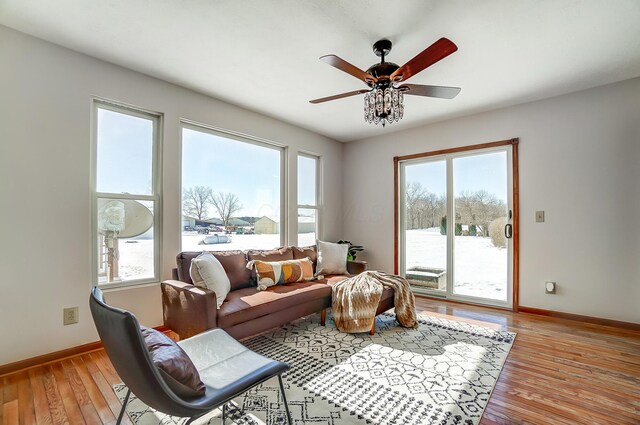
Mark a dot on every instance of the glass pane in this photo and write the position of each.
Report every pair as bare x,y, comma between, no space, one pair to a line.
124,153
230,193
425,220
125,240
306,227
481,260
307,172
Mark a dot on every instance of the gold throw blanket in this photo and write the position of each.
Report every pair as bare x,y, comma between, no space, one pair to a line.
356,299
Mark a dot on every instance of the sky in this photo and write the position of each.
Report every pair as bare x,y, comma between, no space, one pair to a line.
478,172
250,171
124,153
306,180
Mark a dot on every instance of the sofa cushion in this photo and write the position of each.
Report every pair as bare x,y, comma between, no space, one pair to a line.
249,303
332,258
278,254
233,262
272,273
306,251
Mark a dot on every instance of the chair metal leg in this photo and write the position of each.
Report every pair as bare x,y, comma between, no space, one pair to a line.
124,405
224,412
284,398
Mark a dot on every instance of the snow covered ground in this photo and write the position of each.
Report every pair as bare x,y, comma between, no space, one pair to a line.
480,270
480,267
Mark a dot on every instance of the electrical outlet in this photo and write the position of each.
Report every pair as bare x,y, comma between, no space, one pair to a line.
539,216
549,287
70,316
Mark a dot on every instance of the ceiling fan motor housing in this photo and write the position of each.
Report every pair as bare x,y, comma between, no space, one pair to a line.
381,71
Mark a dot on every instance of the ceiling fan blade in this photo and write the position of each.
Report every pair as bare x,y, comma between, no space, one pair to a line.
345,66
338,96
431,91
432,54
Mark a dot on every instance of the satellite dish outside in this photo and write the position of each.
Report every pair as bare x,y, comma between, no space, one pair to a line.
120,218
126,218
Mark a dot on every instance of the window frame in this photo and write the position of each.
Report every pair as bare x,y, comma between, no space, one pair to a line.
242,138
155,197
318,204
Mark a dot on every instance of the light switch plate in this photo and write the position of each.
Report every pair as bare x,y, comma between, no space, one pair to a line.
539,216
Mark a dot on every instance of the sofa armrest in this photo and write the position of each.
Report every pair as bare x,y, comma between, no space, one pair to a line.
356,267
187,309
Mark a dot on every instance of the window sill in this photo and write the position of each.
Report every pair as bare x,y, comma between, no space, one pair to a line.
120,286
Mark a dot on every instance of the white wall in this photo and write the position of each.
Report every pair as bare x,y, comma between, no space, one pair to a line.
45,262
579,162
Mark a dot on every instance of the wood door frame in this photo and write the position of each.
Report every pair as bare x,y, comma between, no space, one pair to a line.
515,196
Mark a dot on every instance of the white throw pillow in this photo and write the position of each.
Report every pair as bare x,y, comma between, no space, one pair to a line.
207,272
332,258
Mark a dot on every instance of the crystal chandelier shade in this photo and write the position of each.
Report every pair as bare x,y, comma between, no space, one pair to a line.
383,105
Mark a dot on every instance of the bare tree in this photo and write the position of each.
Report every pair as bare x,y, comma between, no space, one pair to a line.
479,208
227,204
413,193
424,208
196,201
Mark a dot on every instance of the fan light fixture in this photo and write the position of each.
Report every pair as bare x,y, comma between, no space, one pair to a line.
386,106
384,100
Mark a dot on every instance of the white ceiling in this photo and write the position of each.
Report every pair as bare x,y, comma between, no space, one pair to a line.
263,54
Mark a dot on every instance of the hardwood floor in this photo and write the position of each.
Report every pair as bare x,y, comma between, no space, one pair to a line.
558,372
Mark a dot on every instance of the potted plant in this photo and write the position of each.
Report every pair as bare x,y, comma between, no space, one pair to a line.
353,249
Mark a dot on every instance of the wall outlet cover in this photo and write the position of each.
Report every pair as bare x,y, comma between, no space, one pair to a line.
539,216
70,316
549,287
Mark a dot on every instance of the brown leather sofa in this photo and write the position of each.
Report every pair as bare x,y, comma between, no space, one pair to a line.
189,310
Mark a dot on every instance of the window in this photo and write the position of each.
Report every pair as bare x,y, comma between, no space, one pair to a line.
231,192
126,196
308,217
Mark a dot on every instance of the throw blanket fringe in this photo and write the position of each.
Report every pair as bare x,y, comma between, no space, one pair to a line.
356,299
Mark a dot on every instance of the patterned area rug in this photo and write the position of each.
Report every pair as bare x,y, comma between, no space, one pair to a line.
443,372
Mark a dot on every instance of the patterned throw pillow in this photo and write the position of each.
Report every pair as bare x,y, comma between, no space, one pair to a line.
272,273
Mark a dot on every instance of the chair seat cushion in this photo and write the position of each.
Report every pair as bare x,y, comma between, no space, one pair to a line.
249,303
226,366
176,368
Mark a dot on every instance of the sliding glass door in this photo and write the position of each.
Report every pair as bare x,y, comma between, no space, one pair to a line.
455,222
425,242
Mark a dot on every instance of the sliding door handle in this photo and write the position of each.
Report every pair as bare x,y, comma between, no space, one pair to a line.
508,231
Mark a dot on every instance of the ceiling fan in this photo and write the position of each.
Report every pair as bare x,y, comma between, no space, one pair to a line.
384,99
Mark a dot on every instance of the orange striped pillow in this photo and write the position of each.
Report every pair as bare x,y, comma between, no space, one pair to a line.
272,273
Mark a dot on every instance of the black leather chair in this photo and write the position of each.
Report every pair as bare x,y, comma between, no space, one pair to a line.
226,367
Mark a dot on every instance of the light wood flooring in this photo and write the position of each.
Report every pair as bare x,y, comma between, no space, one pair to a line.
558,372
